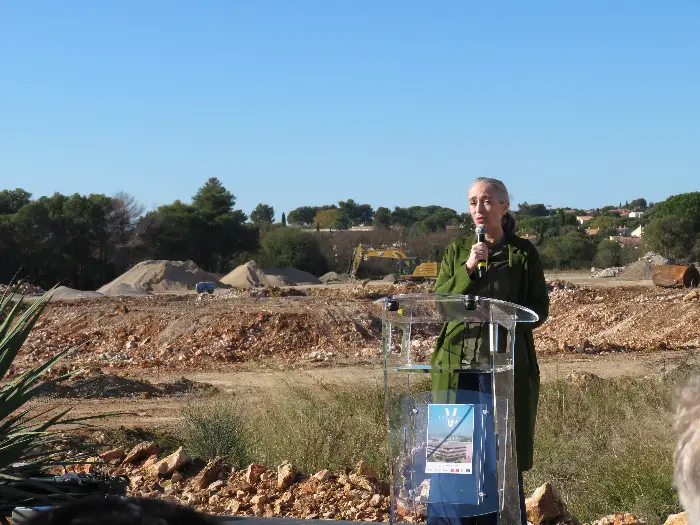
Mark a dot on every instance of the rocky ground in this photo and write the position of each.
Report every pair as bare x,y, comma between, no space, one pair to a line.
216,488
340,325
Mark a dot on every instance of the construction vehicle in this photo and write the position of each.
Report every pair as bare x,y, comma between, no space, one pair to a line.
409,268
205,286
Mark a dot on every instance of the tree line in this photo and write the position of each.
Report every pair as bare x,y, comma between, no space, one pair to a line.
84,241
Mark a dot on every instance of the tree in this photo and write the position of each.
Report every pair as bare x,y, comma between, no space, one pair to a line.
325,219
262,214
570,251
683,206
302,216
284,220
638,204
382,218
212,199
603,222
12,200
291,247
608,254
532,210
672,237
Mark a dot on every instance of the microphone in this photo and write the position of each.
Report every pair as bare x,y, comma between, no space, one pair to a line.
481,237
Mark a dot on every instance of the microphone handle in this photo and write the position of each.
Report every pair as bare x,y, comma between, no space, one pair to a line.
481,266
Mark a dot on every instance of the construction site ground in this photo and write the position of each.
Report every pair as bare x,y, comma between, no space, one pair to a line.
244,341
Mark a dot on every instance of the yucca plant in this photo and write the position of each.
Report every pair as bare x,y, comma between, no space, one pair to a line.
29,438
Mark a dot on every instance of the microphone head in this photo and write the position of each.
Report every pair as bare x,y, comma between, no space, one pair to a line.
480,229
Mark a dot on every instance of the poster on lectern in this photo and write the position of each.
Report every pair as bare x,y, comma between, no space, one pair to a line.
450,439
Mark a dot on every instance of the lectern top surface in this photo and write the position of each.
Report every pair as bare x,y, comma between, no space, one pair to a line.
441,308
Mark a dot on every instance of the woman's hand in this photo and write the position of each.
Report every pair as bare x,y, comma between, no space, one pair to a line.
479,252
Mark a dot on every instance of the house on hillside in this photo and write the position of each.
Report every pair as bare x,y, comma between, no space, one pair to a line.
638,232
626,241
623,231
636,214
592,231
584,219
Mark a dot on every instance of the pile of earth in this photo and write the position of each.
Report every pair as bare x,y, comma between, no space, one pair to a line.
159,277
102,386
251,275
333,277
21,288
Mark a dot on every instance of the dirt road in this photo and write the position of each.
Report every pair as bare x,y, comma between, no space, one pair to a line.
252,387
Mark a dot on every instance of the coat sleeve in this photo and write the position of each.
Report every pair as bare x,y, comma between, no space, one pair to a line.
451,279
538,295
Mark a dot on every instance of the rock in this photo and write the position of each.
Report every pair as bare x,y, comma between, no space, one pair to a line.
620,519
152,460
544,505
170,464
258,504
177,477
322,476
116,454
89,466
130,345
141,451
253,473
692,296
234,506
209,473
376,501
365,469
215,486
285,475
677,519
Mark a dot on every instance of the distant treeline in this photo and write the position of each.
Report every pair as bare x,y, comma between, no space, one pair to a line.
84,241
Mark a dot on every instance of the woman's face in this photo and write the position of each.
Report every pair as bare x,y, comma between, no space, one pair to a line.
485,208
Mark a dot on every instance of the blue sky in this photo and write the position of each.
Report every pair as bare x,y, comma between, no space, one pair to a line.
391,103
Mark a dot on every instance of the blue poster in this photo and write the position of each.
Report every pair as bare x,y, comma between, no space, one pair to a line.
450,439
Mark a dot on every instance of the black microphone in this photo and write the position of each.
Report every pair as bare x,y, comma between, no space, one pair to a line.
481,237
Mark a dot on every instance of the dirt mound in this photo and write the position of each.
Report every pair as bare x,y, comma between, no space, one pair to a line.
251,275
637,271
114,386
333,277
63,293
159,277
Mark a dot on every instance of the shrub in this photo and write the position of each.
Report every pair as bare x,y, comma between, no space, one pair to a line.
291,247
215,428
608,254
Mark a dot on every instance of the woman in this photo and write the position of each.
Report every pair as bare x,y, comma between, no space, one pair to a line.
514,274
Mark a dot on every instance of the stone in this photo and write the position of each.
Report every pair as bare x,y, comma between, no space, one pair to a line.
365,469
215,486
141,451
234,506
209,473
148,464
257,503
376,501
177,477
116,454
362,482
692,296
322,476
253,473
170,464
544,505
286,473
620,519
677,519
89,466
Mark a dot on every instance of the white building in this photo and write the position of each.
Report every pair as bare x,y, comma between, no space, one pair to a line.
636,214
638,232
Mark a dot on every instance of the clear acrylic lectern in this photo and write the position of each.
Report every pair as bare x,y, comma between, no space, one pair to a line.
451,452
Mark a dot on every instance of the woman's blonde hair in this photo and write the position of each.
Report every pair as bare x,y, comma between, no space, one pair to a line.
508,221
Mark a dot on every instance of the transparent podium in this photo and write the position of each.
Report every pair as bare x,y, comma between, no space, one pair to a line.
451,424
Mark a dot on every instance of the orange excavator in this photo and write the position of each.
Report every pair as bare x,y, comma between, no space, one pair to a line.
410,268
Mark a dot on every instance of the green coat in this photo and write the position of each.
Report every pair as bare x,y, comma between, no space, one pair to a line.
527,288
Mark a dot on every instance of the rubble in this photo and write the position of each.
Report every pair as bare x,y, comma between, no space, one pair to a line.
258,491
140,451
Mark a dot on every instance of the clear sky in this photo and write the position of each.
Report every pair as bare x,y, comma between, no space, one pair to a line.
391,102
